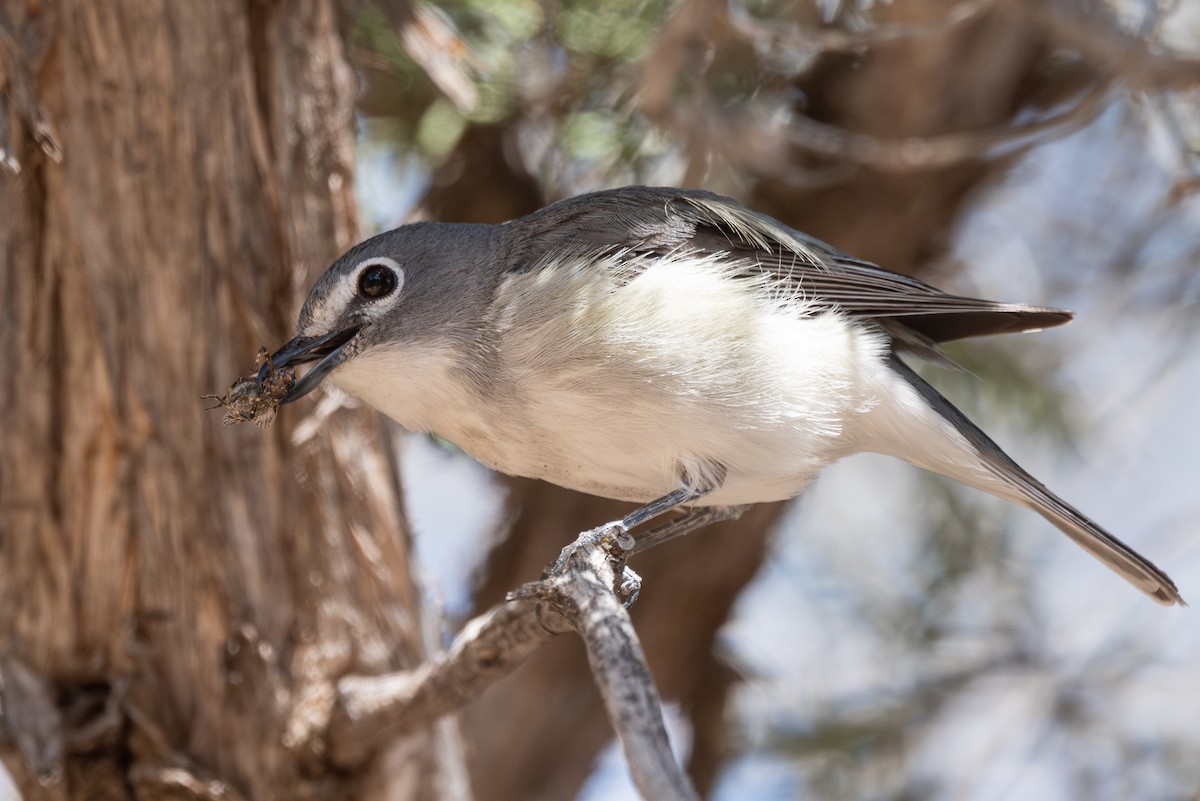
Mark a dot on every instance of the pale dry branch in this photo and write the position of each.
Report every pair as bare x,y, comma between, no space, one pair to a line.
584,585
371,711
587,589
431,40
170,782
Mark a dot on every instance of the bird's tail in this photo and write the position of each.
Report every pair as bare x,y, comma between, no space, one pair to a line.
922,427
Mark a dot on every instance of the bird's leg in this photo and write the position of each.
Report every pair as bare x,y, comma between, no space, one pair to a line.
690,521
614,538
711,477
658,507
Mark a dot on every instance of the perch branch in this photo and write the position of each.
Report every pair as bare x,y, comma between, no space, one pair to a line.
587,589
587,584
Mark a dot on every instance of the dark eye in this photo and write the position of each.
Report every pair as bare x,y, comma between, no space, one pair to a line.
377,282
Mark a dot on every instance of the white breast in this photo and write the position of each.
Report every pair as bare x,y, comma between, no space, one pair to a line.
614,389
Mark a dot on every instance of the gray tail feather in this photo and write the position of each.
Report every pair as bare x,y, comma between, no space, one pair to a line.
1017,485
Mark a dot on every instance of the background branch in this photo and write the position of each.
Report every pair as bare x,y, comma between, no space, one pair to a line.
371,711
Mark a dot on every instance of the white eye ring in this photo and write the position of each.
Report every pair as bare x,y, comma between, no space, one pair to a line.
378,277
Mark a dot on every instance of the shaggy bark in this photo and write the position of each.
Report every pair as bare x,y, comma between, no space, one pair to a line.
177,598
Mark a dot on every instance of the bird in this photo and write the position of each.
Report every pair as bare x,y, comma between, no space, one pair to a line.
665,346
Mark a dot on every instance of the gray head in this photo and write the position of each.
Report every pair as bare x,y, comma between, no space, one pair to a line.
421,283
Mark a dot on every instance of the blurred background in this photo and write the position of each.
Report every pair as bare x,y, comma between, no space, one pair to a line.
896,636
887,636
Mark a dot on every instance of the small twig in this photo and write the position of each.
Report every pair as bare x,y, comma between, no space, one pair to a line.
430,38
168,781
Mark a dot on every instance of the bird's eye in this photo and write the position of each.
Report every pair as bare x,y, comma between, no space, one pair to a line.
377,282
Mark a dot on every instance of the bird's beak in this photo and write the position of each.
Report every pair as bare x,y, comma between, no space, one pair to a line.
329,348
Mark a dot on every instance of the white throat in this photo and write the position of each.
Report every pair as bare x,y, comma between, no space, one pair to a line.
422,389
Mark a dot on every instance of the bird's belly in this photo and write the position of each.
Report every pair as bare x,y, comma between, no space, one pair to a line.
637,453
763,395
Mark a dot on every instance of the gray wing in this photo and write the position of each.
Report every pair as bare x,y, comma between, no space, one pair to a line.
641,220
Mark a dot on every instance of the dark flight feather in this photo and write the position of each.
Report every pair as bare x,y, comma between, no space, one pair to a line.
640,220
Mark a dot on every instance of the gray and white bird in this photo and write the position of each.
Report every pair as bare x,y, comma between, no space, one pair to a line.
664,346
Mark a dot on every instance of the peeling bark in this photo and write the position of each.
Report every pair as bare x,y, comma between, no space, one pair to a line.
178,598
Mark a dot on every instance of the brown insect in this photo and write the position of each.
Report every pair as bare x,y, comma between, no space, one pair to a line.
252,400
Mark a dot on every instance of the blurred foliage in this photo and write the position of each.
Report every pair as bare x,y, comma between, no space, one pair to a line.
565,66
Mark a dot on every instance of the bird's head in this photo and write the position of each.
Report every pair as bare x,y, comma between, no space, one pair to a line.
411,287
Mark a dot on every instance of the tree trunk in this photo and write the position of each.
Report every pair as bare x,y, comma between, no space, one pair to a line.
177,596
